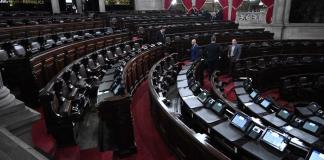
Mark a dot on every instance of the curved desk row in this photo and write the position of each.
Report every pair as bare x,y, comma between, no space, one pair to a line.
185,142
270,68
40,69
67,95
237,134
12,33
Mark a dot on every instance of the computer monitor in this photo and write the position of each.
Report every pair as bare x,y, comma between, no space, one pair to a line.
218,107
202,97
315,154
284,114
210,102
265,103
195,88
253,94
241,121
19,50
275,139
310,126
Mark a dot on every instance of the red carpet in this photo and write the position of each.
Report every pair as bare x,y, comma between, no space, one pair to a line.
150,145
206,83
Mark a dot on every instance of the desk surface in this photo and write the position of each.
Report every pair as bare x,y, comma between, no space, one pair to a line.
245,98
255,108
192,102
185,92
182,84
207,115
229,132
240,90
258,150
274,120
304,136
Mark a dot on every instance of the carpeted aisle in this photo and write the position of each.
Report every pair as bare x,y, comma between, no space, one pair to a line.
150,145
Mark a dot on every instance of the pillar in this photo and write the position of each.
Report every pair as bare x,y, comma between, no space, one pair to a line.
148,4
55,6
230,4
278,17
79,5
102,6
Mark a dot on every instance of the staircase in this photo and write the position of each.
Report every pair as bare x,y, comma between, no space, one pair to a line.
16,121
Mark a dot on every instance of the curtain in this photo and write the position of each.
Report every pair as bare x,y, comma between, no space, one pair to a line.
235,6
200,4
224,5
187,4
167,4
269,4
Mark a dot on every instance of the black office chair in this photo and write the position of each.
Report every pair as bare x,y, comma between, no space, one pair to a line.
287,89
307,60
3,55
274,61
319,84
291,60
261,63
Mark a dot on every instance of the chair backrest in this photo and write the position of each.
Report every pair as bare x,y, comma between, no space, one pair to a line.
3,55
101,60
119,51
127,48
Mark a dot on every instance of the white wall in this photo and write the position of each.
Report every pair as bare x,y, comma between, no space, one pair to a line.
148,4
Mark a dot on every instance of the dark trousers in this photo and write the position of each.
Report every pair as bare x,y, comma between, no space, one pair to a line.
211,67
231,66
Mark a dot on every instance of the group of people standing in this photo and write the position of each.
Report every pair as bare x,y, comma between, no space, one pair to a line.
212,53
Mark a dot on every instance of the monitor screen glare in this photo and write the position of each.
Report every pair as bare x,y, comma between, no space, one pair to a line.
310,126
253,94
217,107
240,122
275,140
284,114
265,103
316,155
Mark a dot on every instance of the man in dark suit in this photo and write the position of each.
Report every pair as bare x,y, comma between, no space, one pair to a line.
234,53
213,54
160,35
194,50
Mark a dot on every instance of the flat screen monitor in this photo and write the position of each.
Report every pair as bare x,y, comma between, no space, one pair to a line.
203,96
241,121
218,107
275,140
310,126
315,154
253,94
195,87
210,102
283,114
265,103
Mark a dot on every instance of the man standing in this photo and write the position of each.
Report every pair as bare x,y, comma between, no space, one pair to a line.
194,50
160,35
213,54
234,53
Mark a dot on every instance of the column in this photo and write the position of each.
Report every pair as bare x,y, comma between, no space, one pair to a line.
79,5
230,4
278,17
102,6
55,6
148,4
